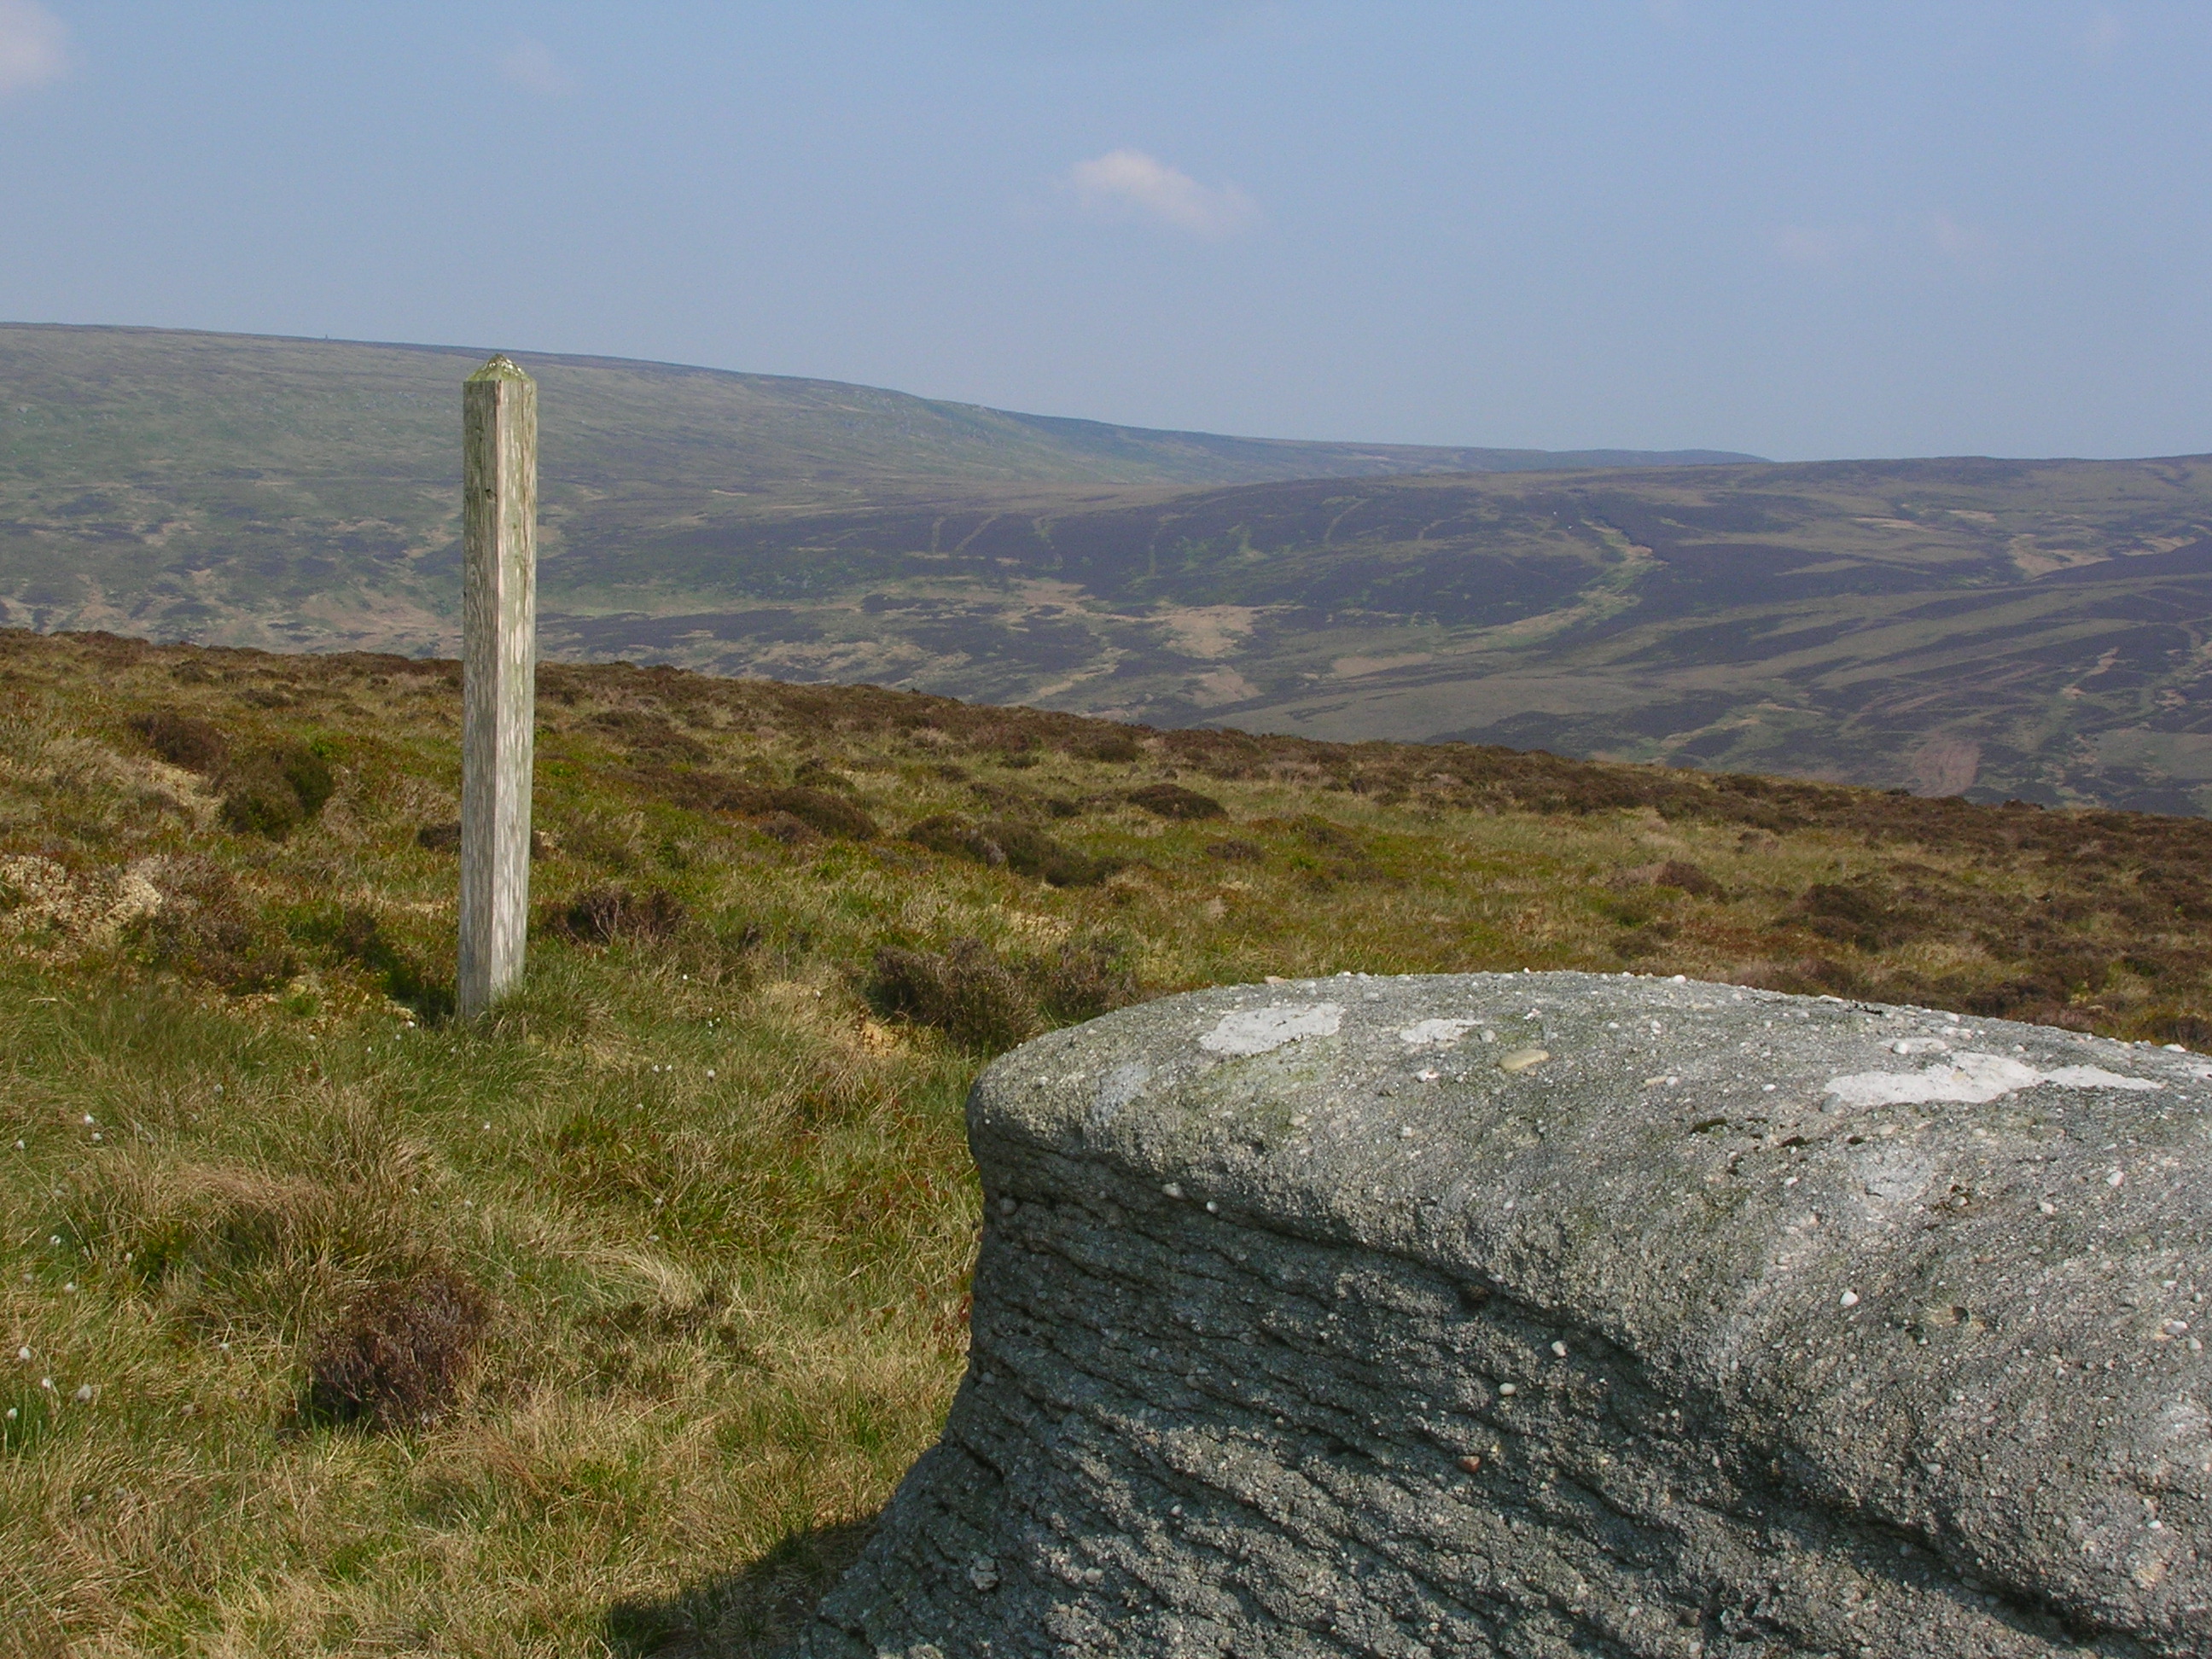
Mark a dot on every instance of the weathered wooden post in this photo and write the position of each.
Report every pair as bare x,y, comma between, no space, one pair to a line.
499,664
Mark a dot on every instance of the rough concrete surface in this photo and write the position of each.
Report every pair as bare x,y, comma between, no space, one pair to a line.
1560,1314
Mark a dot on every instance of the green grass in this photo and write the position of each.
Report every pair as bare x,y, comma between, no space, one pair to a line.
711,1188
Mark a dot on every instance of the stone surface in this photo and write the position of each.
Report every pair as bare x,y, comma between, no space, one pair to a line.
1738,1323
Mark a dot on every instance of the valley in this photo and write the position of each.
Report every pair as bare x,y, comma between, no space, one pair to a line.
2000,630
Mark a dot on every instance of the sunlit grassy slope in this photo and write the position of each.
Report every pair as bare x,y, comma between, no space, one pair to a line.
705,1181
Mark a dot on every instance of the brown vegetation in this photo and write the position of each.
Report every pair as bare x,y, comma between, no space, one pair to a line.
396,1356
1172,800
603,915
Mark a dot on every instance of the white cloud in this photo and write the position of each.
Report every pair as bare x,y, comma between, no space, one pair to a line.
531,65
1130,181
1955,239
32,43
1915,242
1821,245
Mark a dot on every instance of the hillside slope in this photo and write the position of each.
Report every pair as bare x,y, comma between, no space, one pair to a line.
242,487
606,1325
1999,629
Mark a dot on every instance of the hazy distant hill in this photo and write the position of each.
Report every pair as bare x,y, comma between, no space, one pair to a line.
2000,629
306,493
164,400
1996,628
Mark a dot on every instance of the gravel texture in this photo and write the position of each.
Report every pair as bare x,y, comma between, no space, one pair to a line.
1556,1314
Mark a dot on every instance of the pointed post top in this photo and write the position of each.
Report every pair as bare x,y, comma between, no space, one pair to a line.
499,366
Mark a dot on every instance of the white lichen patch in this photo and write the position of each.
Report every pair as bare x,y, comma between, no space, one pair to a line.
1263,1028
1116,1089
1968,1079
2094,1077
39,895
1436,1033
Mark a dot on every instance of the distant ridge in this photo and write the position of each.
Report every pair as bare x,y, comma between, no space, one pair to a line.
760,429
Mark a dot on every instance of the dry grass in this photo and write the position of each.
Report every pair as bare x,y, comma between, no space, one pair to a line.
672,1253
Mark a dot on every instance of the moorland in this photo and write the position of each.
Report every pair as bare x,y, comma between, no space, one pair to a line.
300,493
330,1324
2028,629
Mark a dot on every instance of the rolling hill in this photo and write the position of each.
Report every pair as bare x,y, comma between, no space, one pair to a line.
1999,629
250,489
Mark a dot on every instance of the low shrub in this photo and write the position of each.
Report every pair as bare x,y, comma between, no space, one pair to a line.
607,915
2033,998
1017,847
956,837
1112,748
398,1355
1339,859
258,800
754,1610
357,936
1086,978
1805,976
642,732
1859,912
781,826
823,813
447,838
185,740
306,768
208,930
1678,873
1032,853
2168,1025
607,1157
273,791
1172,800
965,992
989,1003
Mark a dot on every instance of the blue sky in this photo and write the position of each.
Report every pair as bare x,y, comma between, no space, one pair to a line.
1803,229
